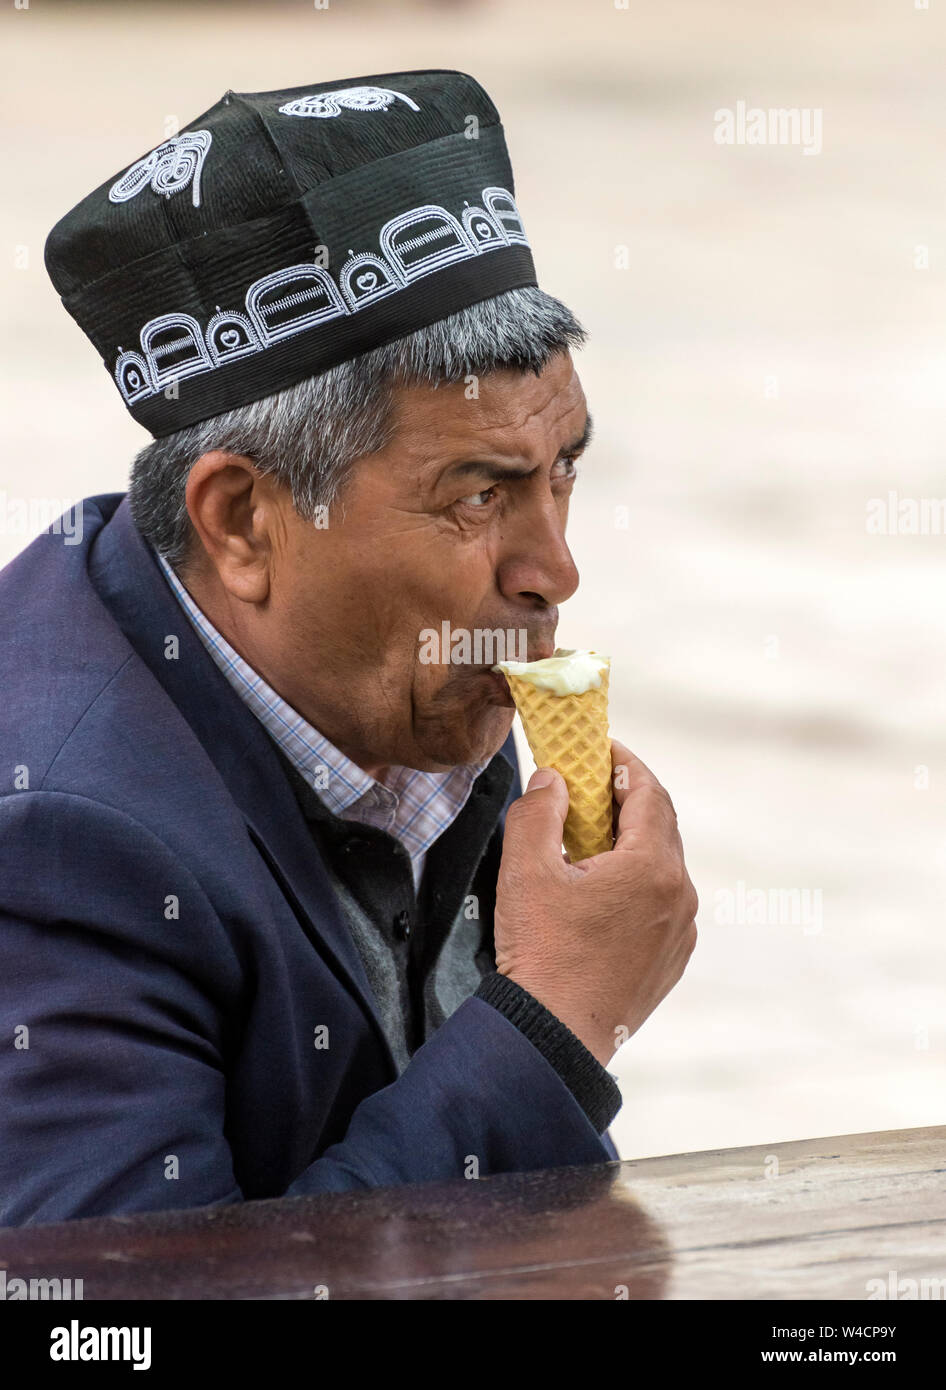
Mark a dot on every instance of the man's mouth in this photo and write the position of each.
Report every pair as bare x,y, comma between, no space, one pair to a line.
492,685
536,651
500,688
500,694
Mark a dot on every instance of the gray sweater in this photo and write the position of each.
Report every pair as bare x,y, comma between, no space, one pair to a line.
425,952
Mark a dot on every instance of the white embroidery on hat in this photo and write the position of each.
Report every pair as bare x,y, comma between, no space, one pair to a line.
355,98
505,214
310,289
230,334
483,230
167,169
174,347
436,225
133,377
294,299
367,277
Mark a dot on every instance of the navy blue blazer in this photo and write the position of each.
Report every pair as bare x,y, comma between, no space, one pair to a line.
155,1058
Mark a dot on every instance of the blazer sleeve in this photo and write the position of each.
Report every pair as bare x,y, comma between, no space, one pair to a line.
116,1027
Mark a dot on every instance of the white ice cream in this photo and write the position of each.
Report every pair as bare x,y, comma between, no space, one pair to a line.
565,673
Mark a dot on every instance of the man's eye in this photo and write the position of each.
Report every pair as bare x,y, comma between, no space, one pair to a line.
569,464
479,499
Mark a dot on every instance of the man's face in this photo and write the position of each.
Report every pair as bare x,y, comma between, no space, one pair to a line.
461,520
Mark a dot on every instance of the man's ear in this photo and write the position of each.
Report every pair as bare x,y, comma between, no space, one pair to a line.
235,511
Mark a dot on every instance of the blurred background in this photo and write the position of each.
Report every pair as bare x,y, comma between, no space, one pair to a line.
767,374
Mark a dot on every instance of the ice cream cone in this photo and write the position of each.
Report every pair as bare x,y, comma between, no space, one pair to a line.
569,732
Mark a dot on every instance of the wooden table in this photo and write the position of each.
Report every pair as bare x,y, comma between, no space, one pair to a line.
817,1218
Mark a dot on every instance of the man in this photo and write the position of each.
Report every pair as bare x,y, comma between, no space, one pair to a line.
260,933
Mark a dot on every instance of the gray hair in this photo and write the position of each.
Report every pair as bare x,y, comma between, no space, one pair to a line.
309,435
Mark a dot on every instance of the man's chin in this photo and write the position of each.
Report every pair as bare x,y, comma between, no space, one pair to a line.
473,740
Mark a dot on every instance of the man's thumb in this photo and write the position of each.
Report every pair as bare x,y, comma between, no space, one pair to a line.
534,822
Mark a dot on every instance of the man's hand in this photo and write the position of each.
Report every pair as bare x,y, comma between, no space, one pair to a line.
602,942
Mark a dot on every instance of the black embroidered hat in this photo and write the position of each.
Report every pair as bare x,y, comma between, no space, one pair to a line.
283,232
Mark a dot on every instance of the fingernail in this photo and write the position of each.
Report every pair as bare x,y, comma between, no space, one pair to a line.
542,777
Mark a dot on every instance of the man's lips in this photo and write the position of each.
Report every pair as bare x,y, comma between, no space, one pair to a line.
539,652
494,683
500,687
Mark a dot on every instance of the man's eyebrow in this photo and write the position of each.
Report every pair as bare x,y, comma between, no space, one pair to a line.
583,440
496,472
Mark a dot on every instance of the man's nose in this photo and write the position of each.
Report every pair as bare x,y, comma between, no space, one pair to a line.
537,562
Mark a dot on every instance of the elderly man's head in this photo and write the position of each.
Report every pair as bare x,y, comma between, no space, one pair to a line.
445,461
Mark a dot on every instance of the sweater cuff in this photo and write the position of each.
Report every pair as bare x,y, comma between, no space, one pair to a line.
593,1087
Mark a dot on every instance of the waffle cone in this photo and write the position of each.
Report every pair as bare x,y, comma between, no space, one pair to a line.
570,734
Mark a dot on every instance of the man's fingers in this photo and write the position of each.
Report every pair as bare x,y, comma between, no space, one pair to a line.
643,805
627,772
534,822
